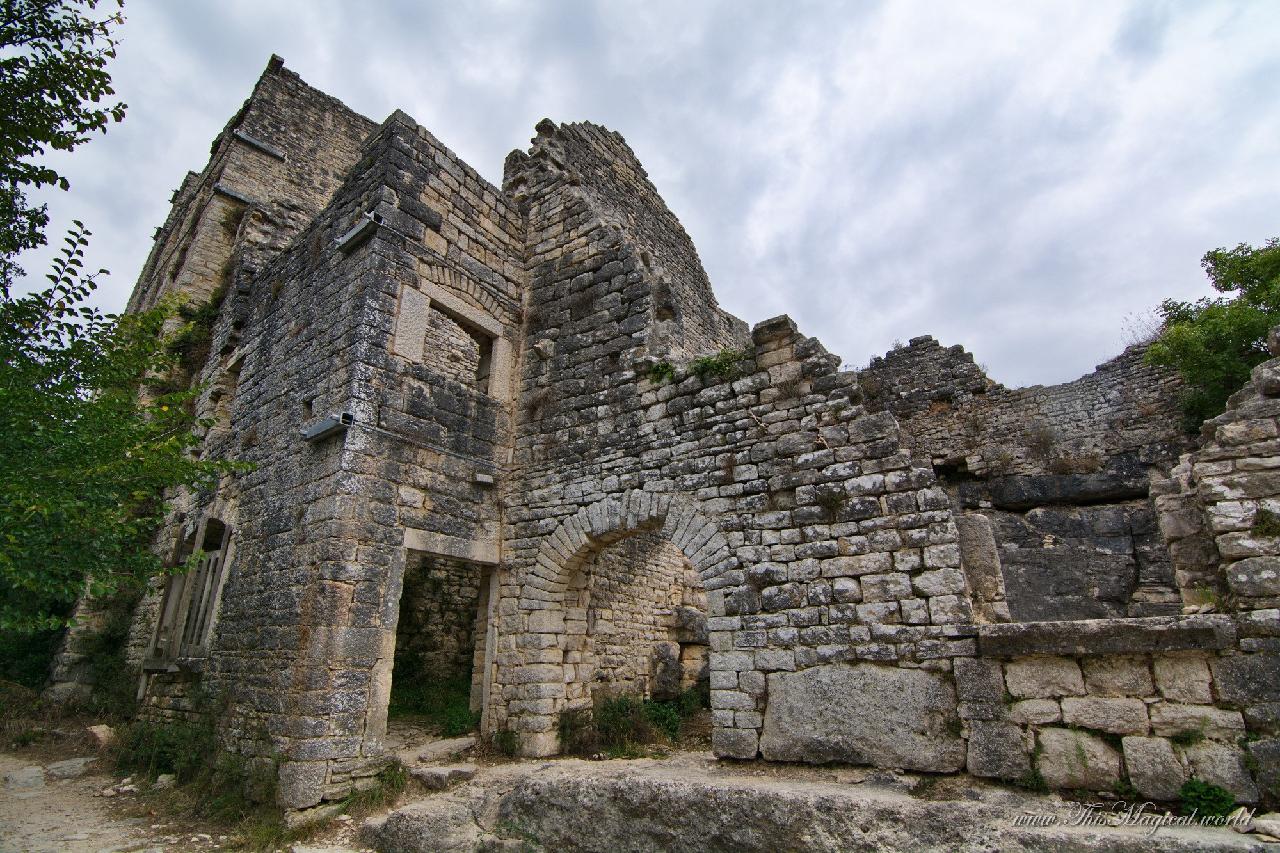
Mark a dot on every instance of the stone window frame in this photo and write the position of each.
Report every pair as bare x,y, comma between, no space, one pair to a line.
413,310
188,609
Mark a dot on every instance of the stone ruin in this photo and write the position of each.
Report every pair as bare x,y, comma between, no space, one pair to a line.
488,443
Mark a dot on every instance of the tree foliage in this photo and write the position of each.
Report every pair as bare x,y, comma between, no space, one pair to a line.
53,84
1214,342
84,458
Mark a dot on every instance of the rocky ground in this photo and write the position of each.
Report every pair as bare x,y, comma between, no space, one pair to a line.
687,801
691,802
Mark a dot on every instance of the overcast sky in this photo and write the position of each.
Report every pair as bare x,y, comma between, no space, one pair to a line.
1015,177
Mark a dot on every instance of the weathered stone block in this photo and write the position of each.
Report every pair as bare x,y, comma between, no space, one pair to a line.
1246,679
1224,766
1266,759
1043,677
1168,720
1254,577
1075,759
735,743
301,784
997,750
1154,769
1117,676
1118,716
863,714
979,681
1108,636
1035,712
1183,678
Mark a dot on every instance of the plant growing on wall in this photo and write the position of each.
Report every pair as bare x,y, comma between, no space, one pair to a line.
723,365
1214,342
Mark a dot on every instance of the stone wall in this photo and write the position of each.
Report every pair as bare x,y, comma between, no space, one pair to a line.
1062,473
304,639
272,169
1153,702
1220,509
435,633
630,596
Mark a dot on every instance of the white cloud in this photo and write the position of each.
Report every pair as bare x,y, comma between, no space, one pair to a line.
1012,177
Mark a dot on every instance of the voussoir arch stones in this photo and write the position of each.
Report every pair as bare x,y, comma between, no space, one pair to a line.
536,686
604,522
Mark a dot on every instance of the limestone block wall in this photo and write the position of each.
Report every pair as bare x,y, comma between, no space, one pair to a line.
598,172
1219,508
1125,411
435,633
273,168
304,640
628,595
1062,473
271,171
1152,702
521,368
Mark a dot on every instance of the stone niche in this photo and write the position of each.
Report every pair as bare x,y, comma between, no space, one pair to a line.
864,714
637,615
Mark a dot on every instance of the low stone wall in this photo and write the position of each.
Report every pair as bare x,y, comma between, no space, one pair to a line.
1090,705
1151,702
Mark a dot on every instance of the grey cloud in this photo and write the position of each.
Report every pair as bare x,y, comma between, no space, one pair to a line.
1015,179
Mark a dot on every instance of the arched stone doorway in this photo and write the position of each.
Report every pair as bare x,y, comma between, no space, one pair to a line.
554,665
635,622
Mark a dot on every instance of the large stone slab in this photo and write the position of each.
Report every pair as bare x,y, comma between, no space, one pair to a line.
863,714
1107,636
1154,769
1075,759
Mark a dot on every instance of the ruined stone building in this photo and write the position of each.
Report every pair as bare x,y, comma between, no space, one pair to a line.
506,434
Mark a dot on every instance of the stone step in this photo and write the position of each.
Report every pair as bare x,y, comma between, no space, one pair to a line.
440,777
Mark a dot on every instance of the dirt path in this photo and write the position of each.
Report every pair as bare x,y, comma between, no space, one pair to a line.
41,813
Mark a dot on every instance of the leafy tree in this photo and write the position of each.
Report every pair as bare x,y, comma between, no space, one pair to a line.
90,439
84,457
1214,342
53,80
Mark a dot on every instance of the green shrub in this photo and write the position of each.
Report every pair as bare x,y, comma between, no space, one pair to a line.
1201,798
1033,781
621,725
1214,343
578,735
661,372
506,742
725,364
180,747
665,717
444,704
1265,523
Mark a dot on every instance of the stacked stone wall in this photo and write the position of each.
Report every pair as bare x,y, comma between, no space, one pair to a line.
629,593
1220,508
435,633
1153,702
1062,473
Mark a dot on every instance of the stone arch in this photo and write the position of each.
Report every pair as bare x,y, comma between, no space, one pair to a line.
536,694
